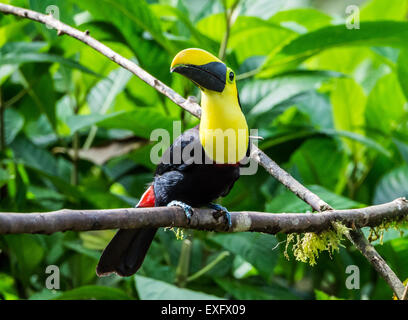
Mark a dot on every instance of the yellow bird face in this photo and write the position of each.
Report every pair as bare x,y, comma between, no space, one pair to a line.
223,128
204,69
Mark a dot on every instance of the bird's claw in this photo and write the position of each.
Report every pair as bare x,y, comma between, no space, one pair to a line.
188,210
223,210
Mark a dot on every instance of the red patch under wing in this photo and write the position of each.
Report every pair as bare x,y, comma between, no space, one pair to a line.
147,199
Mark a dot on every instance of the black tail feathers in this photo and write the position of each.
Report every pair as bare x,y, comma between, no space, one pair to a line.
125,252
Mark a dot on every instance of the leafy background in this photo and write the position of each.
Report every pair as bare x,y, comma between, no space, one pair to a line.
330,103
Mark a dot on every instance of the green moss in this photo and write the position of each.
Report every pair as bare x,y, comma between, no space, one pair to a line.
179,232
307,246
378,232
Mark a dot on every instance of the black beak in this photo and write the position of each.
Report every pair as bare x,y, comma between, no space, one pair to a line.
209,76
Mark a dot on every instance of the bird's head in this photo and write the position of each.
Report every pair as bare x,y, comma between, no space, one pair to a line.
208,72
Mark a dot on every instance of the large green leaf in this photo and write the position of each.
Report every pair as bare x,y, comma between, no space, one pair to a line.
287,202
244,291
151,289
129,16
308,18
385,111
321,161
213,26
21,47
392,185
20,58
94,293
7,287
26,252
259,97
256,248
141,121
13,123
265,8
355,137
40,159
251,36
348,101
373,33
4,176
402,69
384,10
102,96
44,97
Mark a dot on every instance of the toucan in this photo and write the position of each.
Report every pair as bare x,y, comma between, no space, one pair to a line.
193,171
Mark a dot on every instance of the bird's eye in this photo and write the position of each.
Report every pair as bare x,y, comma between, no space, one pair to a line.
231,76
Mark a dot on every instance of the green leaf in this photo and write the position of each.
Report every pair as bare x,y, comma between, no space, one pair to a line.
320,295
151,289
384,10
264,8
33,156
45,98
26,253
32,57
213,26
308,18
402,148
381,33
22,47
13,123
259,97
94,293
288,202
376,33
7,287
402,69
392,185
141,121
244,291
256,248
321,161
368,142
385,105
4,177
348,101
102,96
128,16
251,36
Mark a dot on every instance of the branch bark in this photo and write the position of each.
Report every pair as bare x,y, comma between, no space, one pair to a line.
285,178
202,219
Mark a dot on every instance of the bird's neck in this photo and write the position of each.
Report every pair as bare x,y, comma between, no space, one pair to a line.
223,128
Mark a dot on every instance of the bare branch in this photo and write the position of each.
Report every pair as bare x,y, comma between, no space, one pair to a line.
405,294
203,219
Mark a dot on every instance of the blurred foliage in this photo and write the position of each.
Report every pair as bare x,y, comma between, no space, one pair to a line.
331,104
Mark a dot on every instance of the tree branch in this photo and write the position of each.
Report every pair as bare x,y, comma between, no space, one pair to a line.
285,178
202,219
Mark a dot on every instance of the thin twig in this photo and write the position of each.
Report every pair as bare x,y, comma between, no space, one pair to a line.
229,15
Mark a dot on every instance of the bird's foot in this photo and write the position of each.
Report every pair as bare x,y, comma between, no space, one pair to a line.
188,210
222,210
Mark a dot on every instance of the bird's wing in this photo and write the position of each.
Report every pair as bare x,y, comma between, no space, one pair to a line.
180,155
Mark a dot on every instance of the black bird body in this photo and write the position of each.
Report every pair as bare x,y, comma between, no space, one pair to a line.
195,184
